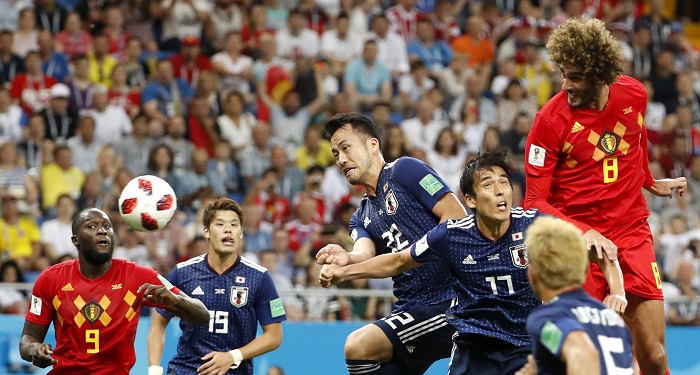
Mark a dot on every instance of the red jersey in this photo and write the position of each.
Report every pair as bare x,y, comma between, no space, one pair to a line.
126,99
33,95
95,320
187,73
597,160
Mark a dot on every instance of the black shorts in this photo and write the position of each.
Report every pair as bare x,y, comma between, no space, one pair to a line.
475,354
420,336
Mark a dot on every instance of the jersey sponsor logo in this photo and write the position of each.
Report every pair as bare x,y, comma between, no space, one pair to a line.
92,312
198,291
35,308
422,245
239,296
366,222
276,308
469,260
517,236
627,110
536,156
117,286
67,288
494,257
391,203
519,255
551,337
577,128
240,279
431,184
608,142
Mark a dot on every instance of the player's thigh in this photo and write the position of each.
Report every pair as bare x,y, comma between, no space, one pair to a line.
638,264
487,359
369,343
646,322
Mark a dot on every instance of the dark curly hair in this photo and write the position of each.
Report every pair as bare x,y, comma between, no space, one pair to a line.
588,45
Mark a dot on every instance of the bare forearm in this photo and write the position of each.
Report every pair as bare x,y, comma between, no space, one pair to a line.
190,309
262,344
380,266
156,339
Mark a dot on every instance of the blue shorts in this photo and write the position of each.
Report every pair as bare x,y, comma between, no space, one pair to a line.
420,336
476,354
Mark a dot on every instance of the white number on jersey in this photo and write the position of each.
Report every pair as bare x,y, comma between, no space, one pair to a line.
218,318
393,239
505,278
609,345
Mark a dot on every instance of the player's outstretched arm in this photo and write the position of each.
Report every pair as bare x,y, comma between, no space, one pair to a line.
32,348
580,355
666,186
190,309
156,342
449,207
616,300
218,363
362,250
379,267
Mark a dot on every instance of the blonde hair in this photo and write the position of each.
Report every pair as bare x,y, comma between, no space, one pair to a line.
589,46
557,252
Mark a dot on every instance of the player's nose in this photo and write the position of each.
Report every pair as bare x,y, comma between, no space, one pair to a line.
566,84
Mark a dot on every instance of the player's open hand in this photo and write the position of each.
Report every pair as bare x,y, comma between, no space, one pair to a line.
217,363
158,295
331,274
42,356
530,367
666,186
616,302
333,254
601,245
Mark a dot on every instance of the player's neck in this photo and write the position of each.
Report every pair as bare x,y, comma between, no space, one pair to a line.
93,271
373,178
600,103
221,262
492,229
547,295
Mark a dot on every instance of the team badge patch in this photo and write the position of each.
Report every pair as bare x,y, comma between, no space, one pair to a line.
536,156
35,308
92,312
239,296
608,142
392,204
519,255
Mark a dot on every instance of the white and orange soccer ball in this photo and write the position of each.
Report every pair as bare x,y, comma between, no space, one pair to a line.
147,203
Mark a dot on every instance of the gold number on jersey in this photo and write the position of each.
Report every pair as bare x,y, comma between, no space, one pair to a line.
92,336
610,169
657,275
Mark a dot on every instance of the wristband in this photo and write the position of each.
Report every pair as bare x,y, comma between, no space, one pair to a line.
155,370
237,358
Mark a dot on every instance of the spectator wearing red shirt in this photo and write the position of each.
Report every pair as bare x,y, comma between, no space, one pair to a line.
446,26
316,18
189,63
114,29
264,193
302,228
32,89
121,94
73,39
254,29
312,189
201,126
403,18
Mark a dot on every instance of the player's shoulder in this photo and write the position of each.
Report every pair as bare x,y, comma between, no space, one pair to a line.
464,223
60,269
404,164
630,88
192,262
252,266
556,106
130,267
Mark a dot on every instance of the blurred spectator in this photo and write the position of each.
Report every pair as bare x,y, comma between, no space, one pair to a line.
11,116
269,259
12,301
475,44
445,25
253,29
290,177
683,206
137,70
381,114
367,80
686,56
91,195
138,19
403,18
60,177
25,36
521,31
339,45
73,40
167,244
62,121
160,163
674,241
31,89
296,40
687,96
492,138
280,245
201,127
515,101
316,151
535,72
447,157
92,12
663,79
195,182
269,58
257,232
676,160
391,47
100,63
9,13
56,233
422,131
55,64
165,96
50,16
414,86
198,245
208,88
276,208
659,26
130,246
452,78
181,18
21,239
235,125
641,50
84,146
301,229
222,164
181,146
312,189
114,30
135,147
112,122
226,17
687,311
35,150
436,54
318,306
316,18
693,179
484,109
15,179
277,14
255,158
122,95
395,144
515,137
113,186
80,85
656,112
10,63
189,62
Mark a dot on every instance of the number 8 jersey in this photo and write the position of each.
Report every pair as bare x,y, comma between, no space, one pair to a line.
597,159
398,216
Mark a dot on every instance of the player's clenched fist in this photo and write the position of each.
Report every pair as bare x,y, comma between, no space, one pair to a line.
333,254
331,274
616,302
41,357
159,295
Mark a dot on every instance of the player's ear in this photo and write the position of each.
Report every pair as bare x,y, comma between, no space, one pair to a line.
471,201
206,233
373,144
74,240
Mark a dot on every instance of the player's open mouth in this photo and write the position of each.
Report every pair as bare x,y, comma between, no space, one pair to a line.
228,241
348,171
103,243
502,206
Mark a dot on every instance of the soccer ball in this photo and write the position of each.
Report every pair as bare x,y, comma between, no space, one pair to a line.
147,203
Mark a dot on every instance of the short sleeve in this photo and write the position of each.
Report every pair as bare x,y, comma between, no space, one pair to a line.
430,248
150,276
41,310
550,333
541,148
357,230
421,180
268,304
150,92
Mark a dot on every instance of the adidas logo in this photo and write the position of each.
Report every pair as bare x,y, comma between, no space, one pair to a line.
577,128
67,288
469,260
198,291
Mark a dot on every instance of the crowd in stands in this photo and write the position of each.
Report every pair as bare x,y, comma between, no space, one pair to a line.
229,98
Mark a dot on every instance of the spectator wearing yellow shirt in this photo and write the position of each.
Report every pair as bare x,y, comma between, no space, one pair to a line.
314,151
60,177
100,62
19,237
536,72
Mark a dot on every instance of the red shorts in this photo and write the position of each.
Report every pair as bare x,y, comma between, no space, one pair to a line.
635,251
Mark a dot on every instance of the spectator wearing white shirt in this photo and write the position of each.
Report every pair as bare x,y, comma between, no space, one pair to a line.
111,121
392,48
181,18
296,40
10,117
339,45
413,86
56,233
422,131
182,147
235,69
235,125
84,146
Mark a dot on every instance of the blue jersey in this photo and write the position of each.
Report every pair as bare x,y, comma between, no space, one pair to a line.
550,324
237,300
399,215
494,293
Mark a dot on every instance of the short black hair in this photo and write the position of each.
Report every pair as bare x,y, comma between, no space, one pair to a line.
484,159
357,121
221,204
80,218
315,169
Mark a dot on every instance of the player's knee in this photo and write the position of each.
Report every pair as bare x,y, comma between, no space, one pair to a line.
654,361
360,345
